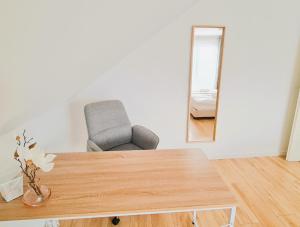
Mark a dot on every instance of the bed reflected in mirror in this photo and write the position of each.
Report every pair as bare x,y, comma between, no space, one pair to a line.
205,71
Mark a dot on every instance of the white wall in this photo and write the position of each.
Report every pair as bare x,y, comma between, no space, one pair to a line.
51,49
259,78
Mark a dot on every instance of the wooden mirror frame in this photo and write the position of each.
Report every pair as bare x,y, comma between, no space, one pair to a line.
218,81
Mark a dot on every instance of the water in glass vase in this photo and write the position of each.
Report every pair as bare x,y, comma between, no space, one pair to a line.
36,196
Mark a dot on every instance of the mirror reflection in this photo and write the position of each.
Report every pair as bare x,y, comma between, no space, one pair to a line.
206,59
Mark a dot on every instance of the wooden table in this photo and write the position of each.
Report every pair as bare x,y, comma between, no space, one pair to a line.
108,184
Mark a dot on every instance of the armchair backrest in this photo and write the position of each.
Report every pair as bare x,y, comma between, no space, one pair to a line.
108,124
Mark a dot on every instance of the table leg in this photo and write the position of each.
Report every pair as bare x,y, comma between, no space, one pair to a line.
52,223
232,216
195,223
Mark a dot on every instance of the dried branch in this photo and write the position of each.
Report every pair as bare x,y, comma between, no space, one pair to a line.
31,176
28,167
24,170
25,138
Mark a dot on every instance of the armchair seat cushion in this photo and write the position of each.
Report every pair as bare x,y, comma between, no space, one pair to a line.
126,146
113,137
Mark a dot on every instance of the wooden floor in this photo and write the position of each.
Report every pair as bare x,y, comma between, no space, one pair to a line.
201,129
268,191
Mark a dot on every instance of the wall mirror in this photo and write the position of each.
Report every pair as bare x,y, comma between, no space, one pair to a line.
205,72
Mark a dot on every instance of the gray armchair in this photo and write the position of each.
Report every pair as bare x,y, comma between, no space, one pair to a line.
109,129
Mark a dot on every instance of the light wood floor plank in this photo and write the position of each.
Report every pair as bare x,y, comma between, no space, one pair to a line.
267,189
291,220
229,173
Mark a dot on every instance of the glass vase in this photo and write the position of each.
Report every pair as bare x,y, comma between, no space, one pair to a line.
36,195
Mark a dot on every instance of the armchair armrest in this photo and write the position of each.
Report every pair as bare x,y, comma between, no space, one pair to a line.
144,137
91,146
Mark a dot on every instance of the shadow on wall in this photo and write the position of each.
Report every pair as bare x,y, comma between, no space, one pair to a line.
292,102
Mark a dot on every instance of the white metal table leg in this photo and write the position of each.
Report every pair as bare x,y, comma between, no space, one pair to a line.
232,216
52,223
195,223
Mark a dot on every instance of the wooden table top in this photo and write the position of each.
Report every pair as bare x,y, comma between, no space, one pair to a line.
101,184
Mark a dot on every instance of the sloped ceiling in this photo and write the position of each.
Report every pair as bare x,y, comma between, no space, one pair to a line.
51,49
